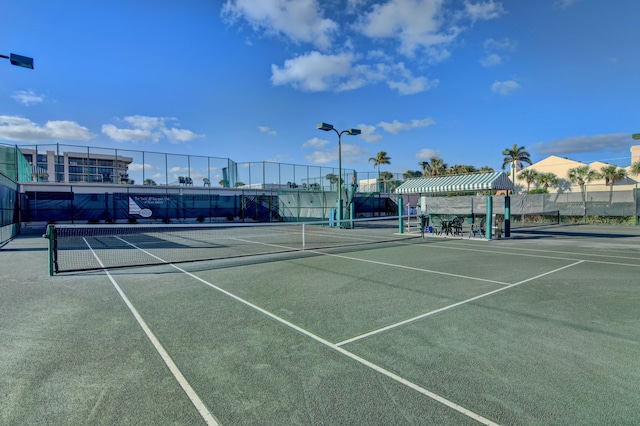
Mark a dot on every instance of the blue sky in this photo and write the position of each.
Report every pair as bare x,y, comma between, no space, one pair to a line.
250,79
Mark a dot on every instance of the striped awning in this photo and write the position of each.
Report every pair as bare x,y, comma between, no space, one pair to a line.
459,183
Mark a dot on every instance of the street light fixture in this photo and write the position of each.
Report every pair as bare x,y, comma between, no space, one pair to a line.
326,127
19,60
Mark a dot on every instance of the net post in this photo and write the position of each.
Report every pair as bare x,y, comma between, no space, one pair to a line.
49,236
303,236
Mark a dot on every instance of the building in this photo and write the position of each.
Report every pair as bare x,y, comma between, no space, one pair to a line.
77,167
560,167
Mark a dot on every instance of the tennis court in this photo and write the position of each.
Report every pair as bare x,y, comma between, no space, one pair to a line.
541,328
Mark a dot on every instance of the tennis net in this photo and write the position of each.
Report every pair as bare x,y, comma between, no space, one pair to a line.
92,247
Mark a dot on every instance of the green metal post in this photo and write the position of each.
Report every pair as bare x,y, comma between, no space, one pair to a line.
400,221
49,235
507,216
488,223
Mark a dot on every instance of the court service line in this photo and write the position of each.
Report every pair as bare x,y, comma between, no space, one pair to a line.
446,308
394,265
333,346
182,381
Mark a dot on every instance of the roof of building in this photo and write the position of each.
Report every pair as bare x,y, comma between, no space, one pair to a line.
459,183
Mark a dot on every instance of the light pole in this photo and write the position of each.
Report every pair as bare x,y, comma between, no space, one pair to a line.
326,127
20,61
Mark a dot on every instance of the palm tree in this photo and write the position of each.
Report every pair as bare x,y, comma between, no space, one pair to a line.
411,174
528,175
434,167
149,182
581,176
461,169
333,179
611,175
635,168
381,158
547,179
385,177
515,156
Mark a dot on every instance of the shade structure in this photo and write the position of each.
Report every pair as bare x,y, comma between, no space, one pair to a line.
459,183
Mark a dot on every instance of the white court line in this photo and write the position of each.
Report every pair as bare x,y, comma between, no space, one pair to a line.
343,351
193,396
446,308
450,247
573,253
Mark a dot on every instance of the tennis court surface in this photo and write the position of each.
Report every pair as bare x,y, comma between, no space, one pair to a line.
542,328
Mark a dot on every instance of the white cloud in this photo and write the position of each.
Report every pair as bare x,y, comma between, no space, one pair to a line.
615,142
350,154
27,97
397,126
134,135
491,60
563,4
369,133
137,167
144,128
317,72
427,153
484,10
180,135
422,24
504,44
505,87
20,129
315,143
298,20
415,23
267,130
313,72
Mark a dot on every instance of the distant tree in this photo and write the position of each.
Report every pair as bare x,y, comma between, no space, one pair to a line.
224,183
486,169
612,174
547,180
333,180
581,176
635,168
149,182
411,174
238,184
434,167
385,177
515,156
461,169
528,175
381,158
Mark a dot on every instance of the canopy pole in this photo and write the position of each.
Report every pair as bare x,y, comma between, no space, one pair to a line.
400,223
488,223
507,216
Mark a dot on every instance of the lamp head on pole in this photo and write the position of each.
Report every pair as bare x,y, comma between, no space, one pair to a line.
19,60
324,126
353,132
